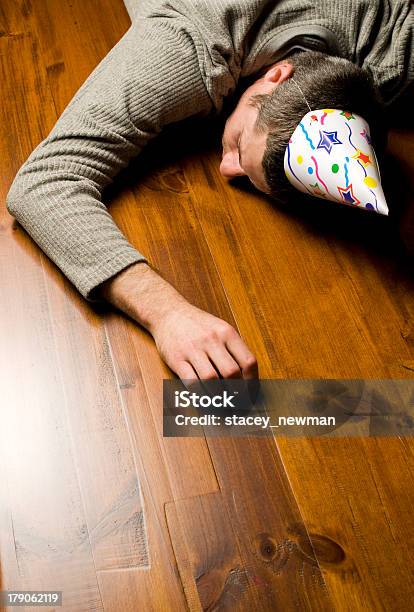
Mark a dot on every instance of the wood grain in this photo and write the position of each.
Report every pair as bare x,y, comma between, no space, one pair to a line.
46,539
213,574
94,501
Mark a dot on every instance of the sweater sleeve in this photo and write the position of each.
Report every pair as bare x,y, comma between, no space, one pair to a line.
149,79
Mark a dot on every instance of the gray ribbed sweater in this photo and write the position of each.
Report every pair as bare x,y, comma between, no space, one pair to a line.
179,58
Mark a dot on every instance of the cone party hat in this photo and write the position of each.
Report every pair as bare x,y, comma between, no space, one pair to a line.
330,156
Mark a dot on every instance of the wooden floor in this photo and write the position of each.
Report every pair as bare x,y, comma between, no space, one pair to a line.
93,500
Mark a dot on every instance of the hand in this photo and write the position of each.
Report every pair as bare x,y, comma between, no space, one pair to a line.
194,343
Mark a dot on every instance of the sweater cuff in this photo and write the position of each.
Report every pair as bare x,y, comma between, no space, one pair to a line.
89,288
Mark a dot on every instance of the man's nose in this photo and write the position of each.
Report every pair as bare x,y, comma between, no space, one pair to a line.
230,165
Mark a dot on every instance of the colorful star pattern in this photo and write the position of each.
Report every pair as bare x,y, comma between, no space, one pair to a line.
348,196
330,156
362,157
327,140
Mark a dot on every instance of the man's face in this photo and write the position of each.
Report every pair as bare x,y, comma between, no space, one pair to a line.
243,144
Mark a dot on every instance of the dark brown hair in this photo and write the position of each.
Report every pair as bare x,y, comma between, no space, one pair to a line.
326,82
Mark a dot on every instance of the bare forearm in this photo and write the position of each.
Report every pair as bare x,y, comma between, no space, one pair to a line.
142,294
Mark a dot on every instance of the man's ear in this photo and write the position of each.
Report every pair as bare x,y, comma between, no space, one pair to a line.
278,73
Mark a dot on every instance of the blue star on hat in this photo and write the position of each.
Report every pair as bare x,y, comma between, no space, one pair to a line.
328,139
348,195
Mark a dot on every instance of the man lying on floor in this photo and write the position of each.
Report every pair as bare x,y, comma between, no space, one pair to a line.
182,58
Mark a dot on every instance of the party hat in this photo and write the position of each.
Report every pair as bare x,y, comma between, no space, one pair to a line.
330,156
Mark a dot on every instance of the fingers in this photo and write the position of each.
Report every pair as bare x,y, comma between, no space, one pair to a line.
228,358
223,361
185,372
242,355
203,366
224,354
198,346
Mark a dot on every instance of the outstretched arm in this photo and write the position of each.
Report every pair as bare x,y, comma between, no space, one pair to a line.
149,79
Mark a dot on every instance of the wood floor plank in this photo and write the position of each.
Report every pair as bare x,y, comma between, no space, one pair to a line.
42,493
44,501
207,555
99,435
